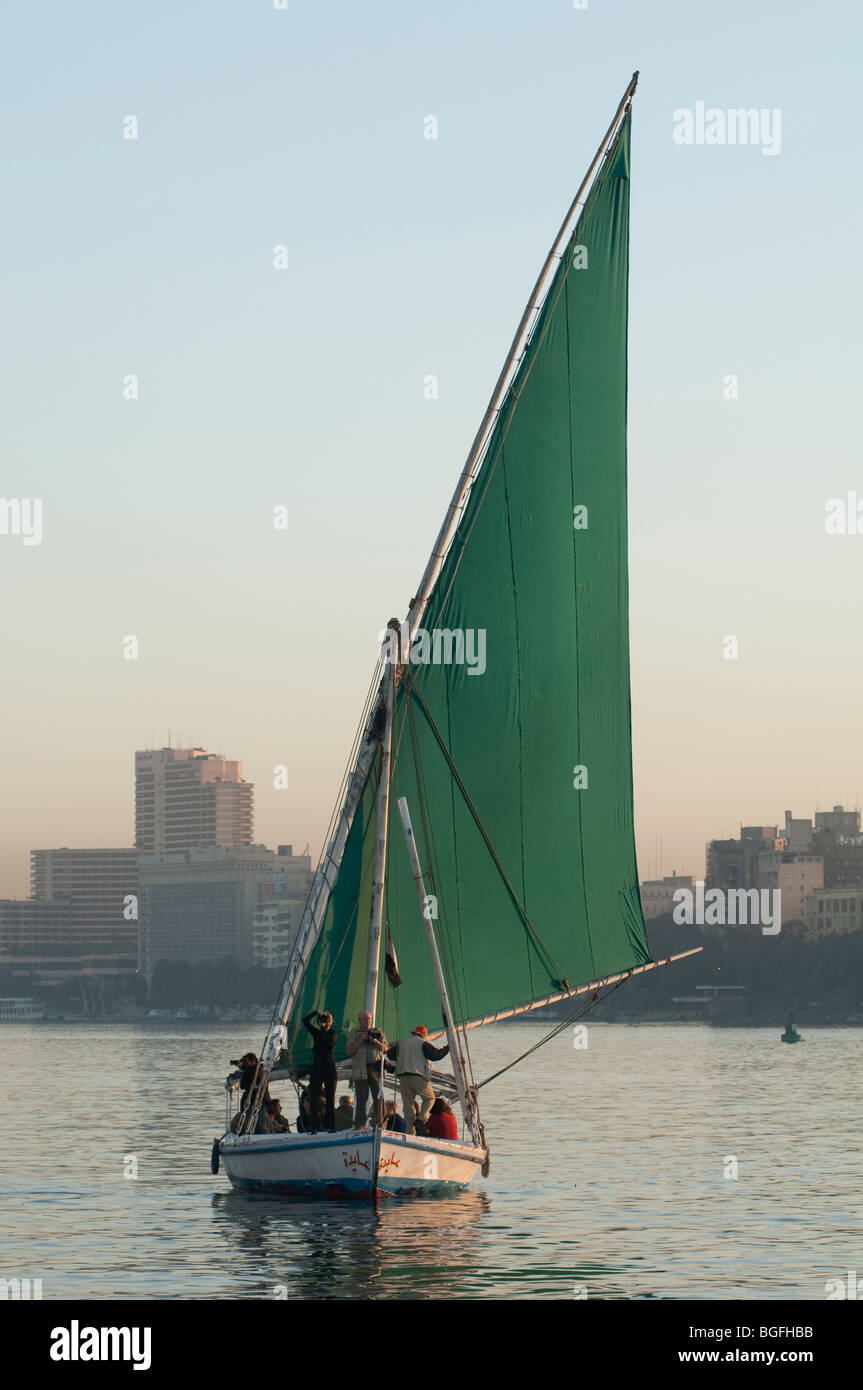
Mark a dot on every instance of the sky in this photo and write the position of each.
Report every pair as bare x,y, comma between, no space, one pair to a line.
153,258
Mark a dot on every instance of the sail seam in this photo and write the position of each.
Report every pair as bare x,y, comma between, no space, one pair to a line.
519,699
577,649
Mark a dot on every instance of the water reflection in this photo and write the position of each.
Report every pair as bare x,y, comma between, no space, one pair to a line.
347,1250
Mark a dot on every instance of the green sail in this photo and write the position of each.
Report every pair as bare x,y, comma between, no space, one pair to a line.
335,977
535,880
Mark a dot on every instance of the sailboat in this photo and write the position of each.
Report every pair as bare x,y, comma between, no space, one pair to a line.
483,852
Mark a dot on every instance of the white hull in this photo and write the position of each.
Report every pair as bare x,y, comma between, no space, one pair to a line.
361,1163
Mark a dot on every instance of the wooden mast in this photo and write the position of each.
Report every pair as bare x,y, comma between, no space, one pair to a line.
466,1099
382,811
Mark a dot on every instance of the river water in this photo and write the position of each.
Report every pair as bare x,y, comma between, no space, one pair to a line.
608,1174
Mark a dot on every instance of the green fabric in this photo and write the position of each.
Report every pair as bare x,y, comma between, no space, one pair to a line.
555,693
335,978
496,751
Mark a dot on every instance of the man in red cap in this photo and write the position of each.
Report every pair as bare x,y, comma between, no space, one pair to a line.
412,1056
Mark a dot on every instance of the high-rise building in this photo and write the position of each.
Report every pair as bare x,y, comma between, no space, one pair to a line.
187,800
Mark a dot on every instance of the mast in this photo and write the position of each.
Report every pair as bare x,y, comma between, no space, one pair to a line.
382,818
464,1095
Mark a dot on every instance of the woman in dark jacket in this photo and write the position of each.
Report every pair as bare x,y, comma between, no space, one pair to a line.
304,1119
323,1074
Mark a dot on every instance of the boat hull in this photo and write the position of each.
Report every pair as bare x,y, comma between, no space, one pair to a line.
361,1164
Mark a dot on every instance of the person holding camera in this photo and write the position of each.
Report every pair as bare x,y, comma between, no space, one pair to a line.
366,1047
249,1073
323,1073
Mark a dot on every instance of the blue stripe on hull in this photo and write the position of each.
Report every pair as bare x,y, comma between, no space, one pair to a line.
312,1187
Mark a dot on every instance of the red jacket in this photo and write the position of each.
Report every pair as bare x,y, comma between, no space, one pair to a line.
442,1126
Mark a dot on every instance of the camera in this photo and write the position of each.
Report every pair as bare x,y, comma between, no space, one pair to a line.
375,1034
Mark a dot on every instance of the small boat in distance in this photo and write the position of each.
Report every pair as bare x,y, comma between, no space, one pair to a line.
14,1010
496,727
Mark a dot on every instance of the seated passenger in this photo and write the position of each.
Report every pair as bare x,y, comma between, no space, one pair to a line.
278,1122
344,1114
420,1126
392,1118
442,1123
304,1119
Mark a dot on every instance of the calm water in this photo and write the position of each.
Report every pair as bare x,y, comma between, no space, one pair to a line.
607,1173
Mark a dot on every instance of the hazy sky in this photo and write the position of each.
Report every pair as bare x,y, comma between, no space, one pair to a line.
153,257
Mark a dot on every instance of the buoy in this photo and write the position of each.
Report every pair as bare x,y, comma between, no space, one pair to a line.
214,1157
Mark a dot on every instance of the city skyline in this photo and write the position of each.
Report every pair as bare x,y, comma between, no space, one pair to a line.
653,865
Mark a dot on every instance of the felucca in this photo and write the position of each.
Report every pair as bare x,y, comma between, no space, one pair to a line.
521,887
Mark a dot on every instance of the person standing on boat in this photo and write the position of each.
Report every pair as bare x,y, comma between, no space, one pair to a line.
323,1074
366,1048
412,1056
249,1075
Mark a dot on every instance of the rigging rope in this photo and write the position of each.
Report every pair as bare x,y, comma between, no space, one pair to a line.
552,965
571,1018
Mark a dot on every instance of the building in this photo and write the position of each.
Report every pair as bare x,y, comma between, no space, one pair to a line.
834,910
838,840
657,894
187,799
274,933
37,946
838,821
100,887
200,906
798,834
81,921
280,909
797,876
734,863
